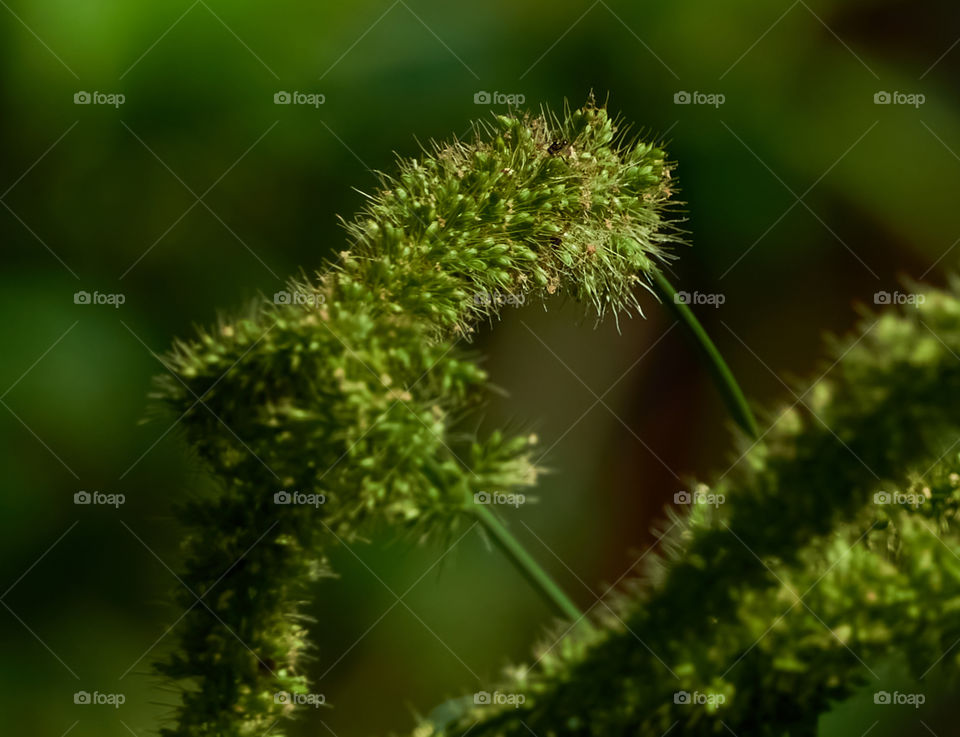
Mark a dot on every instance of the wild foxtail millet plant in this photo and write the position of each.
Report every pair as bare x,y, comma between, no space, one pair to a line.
351,390
355,388
837,547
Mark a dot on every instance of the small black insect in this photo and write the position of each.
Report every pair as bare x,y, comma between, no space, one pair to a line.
557,146
556,241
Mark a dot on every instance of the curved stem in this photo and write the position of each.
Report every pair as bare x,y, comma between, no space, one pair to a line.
722,376
527,566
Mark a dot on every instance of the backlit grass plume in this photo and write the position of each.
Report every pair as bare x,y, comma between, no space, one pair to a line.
339,401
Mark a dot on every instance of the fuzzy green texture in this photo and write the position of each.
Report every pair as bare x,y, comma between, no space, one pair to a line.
783,598
354,388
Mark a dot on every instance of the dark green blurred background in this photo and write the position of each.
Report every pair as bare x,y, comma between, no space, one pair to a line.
105,199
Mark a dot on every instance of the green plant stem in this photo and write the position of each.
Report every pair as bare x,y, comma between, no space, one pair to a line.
527,566
722,376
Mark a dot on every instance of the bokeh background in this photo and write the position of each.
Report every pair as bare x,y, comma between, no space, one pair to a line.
805,198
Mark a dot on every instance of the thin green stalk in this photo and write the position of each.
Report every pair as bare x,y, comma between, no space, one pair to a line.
528,567
722,376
